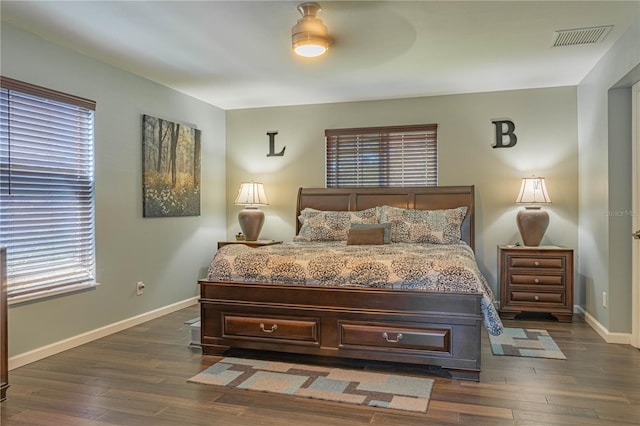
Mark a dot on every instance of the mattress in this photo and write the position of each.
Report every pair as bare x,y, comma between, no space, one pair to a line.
444,268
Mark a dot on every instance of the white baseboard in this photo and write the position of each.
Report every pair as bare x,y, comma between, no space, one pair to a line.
609,337
63,345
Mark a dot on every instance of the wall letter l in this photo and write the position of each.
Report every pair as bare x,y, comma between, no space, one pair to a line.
272,146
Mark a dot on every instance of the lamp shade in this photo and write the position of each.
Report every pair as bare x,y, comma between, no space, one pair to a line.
532,221
309,37
533,191
251,219
251,194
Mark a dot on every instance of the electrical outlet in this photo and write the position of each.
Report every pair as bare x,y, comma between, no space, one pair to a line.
139,288
604,299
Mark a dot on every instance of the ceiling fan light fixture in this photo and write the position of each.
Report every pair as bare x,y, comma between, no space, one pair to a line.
309,37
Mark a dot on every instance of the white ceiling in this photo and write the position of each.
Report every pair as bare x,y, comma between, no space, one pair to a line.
237,54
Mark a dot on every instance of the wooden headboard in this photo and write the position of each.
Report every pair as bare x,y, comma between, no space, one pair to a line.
421,198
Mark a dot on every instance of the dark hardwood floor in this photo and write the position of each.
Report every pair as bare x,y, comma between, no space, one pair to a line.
139,377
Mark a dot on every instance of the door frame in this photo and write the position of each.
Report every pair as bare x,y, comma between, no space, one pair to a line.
635,260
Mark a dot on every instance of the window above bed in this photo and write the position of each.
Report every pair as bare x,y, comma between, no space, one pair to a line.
382,156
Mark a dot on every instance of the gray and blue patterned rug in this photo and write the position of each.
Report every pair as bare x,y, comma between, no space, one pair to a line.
525,342
374,389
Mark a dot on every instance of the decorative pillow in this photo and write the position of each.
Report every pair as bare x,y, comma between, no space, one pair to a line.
424,226
319,225
385,226
365,236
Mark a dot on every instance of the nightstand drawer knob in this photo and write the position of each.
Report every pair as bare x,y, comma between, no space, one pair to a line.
536,298
537,281
536,263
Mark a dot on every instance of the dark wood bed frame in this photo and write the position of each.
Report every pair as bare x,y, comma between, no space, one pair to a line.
438,329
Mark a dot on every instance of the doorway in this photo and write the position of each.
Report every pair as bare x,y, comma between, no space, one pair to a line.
635,317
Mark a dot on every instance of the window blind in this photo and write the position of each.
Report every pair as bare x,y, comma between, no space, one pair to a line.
46,189
382,156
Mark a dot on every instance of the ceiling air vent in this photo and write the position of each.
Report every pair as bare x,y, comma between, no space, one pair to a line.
580,36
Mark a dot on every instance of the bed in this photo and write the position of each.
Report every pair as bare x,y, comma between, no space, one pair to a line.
326,298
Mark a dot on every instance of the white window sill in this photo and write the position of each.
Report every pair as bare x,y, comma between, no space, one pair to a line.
12,300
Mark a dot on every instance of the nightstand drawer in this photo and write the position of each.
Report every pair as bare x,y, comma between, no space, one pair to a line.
536,262
526,296
522,279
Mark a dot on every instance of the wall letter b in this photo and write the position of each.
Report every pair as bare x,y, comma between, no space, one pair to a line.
501,132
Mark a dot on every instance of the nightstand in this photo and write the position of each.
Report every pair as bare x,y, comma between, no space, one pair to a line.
536,279
257,243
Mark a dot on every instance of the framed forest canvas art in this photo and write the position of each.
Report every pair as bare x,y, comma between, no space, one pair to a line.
171,168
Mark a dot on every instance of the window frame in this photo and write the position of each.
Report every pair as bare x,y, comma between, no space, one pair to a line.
392,147
82,180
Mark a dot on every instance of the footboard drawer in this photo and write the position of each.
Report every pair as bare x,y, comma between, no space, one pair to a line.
395,336
270,327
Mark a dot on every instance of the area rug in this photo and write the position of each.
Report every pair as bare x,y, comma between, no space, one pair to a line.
376,389
525,342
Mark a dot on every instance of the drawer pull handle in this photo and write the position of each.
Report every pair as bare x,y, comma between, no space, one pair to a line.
536,263
536,298
537,281
274,327
397,339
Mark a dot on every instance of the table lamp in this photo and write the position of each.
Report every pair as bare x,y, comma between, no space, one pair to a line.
251,195
532,221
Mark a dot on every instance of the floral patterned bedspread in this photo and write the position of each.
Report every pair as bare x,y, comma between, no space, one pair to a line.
417,267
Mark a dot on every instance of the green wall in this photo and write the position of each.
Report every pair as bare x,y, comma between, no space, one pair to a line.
546,126
604,107
168,254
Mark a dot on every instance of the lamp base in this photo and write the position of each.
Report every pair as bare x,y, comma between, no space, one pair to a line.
532,223
251,220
